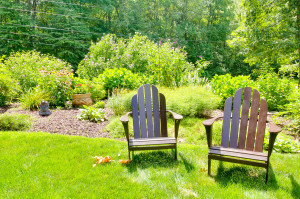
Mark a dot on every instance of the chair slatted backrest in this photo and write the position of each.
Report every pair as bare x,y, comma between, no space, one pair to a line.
149,113
239,130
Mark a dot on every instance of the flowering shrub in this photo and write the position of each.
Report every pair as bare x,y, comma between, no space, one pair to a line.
25,67
81,86
164,63
58,85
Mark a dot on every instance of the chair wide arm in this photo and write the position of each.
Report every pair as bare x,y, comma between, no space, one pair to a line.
208,128
177,119
175,115
125,119
273,130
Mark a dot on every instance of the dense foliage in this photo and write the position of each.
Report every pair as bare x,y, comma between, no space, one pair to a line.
9,88
163,63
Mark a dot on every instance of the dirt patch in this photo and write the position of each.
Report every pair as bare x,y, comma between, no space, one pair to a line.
62,122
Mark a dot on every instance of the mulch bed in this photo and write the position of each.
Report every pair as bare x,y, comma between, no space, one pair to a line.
62,122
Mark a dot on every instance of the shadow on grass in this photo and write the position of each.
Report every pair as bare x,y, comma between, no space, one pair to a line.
295,187
188,166
250,178
153,159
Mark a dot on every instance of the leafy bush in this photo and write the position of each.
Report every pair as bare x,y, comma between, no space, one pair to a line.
8,87
26,67
283,143
190,101
226,85
164,63
116,129
120,101
33,98
95,87
80,86
275,90
57,84
100,104
92,114
15,122
119,78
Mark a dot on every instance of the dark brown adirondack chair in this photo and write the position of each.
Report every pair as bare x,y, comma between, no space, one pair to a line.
239,145
146,135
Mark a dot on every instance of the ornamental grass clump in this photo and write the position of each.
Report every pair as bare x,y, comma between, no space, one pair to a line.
15,122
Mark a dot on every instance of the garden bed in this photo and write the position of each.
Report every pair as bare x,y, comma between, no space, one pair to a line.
62,122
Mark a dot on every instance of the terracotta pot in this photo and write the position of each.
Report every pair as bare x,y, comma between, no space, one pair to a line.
82,99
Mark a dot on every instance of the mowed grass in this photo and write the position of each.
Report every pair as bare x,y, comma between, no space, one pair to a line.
43,165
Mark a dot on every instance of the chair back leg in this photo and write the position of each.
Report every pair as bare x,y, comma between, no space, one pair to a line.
176,152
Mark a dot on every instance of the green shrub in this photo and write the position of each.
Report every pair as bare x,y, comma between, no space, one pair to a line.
119,78
226,85
92,114
95,87
275,90
120,101
8,87
283,143
57,84
100,104
116,129
81,86
33,98
26,67
164,63
190,101
15,122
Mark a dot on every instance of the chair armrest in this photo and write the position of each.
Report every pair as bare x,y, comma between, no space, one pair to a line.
175,115
208,128
211,121
274,128
125,117
177,119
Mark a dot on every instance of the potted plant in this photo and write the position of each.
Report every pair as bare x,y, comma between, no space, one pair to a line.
81,93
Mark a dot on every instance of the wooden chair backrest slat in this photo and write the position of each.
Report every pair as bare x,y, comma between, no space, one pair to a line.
142,112
235,122
253,120
163,115
135,116
261,126
156,111
226,122
149,110
244,119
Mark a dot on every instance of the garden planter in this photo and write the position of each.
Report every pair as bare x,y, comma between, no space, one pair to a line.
82,99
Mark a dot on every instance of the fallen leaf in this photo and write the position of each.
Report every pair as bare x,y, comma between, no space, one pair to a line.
101,160
125,161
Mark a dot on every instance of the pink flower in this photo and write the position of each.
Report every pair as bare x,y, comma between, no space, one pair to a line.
23,75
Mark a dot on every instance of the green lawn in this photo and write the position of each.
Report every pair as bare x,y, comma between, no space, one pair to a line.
42,165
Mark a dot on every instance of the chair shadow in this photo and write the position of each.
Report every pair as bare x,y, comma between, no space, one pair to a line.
246,177
153,159
295,187
188,166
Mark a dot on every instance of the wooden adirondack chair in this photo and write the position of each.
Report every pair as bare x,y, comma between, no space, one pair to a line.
146,135
242,146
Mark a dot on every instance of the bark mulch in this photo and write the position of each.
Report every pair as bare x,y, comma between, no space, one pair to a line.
62,122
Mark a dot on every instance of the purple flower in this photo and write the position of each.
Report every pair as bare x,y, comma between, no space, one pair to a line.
174,42
160,42
200,56
23,75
